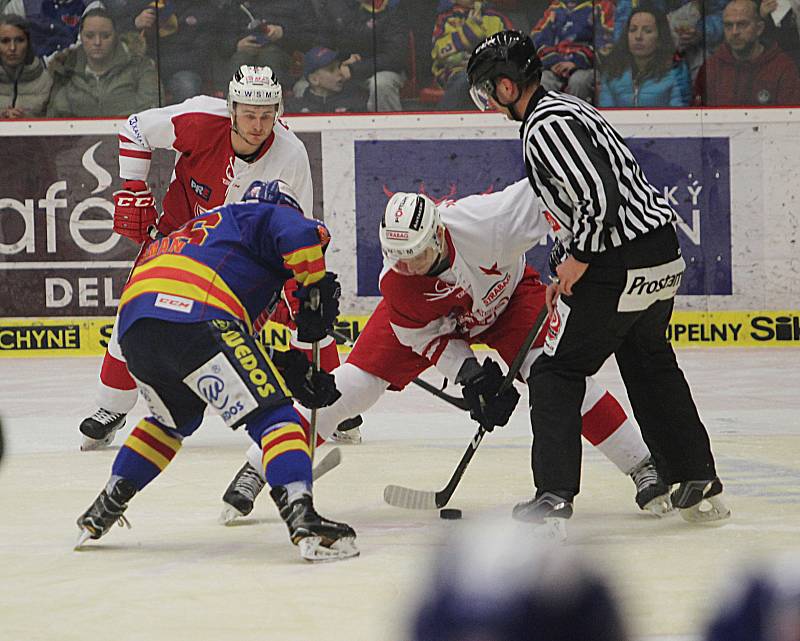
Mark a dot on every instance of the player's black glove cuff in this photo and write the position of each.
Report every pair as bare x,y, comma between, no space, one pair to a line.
312,389
314,320
481,384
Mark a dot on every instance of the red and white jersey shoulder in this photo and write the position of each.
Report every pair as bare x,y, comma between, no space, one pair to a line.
487,236
207,172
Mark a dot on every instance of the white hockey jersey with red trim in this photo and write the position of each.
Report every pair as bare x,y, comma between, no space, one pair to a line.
207,172
488,236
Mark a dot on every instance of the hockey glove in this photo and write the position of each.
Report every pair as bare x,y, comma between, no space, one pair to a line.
481,384
314,321
558,254
134,210
311,389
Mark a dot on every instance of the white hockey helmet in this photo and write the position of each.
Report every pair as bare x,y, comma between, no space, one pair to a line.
411,227
252,85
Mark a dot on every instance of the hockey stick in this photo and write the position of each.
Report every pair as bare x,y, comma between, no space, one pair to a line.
328,462
457,401
312,427
411,499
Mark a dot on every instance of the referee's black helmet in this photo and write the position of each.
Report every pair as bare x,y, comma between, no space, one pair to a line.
510,54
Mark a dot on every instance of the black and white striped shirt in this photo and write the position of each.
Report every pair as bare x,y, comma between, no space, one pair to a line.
586,176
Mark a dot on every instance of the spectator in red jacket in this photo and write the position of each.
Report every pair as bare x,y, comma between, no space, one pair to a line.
743,71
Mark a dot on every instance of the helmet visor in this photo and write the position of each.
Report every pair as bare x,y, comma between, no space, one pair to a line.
481,93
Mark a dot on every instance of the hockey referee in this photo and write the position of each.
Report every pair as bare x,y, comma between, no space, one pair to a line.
613,293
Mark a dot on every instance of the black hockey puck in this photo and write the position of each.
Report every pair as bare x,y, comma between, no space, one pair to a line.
451,514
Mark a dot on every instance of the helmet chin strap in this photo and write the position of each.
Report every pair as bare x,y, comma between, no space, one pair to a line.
509,105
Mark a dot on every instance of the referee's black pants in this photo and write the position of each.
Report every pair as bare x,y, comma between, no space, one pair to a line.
659,394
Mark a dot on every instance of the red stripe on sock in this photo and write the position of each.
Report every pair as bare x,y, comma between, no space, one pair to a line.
289,436
158,446
114,374
603,419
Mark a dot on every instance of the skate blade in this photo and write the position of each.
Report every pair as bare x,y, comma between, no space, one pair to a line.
553,530
84,536
660,506
229,515
91,444
350,437
311,549
710,510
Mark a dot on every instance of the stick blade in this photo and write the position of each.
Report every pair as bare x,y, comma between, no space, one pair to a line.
409,499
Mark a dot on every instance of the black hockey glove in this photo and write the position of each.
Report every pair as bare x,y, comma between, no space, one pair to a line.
315,319
481,384
558,254
311,389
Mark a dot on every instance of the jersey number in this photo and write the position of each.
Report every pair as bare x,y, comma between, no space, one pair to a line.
196,230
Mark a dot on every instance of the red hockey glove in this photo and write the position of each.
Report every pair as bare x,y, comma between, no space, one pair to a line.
134,210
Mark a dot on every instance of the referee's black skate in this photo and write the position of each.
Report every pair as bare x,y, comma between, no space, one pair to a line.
100,428
106,510
318,538
652,491
241,494
701,501
549,510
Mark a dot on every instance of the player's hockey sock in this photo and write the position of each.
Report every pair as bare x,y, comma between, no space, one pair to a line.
114,373
285,456
146,452
608,428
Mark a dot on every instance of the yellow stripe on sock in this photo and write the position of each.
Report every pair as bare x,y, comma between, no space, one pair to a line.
159,434
143,449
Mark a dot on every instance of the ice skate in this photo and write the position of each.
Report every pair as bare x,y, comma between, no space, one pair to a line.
105,511
241,494
348,431
701,501
652,492
100,428
318,538
550,511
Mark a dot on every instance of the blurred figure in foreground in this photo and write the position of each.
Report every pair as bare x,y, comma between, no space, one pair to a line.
763,604
495,582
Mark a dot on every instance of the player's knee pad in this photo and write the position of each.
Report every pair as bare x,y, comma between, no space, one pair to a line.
238,378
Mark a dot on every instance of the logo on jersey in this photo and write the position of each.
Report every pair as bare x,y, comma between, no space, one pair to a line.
230,174
554,224
491,271
174,303
498,288
203,191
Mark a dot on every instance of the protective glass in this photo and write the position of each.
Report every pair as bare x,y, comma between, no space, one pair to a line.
480,94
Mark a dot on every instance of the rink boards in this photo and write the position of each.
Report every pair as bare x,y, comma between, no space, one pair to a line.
48,337
729,174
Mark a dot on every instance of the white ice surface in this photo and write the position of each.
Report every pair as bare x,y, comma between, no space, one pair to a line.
178,575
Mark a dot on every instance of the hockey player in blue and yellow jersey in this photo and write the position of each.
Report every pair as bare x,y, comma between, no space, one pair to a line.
185,327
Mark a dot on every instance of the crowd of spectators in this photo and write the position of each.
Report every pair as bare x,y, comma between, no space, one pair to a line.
100,58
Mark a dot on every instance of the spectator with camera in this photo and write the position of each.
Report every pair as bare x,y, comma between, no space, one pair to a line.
566,39
179,33
642,69
53,25
744,71
101,77
24,82
460,26
265,34
330,88
374,34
